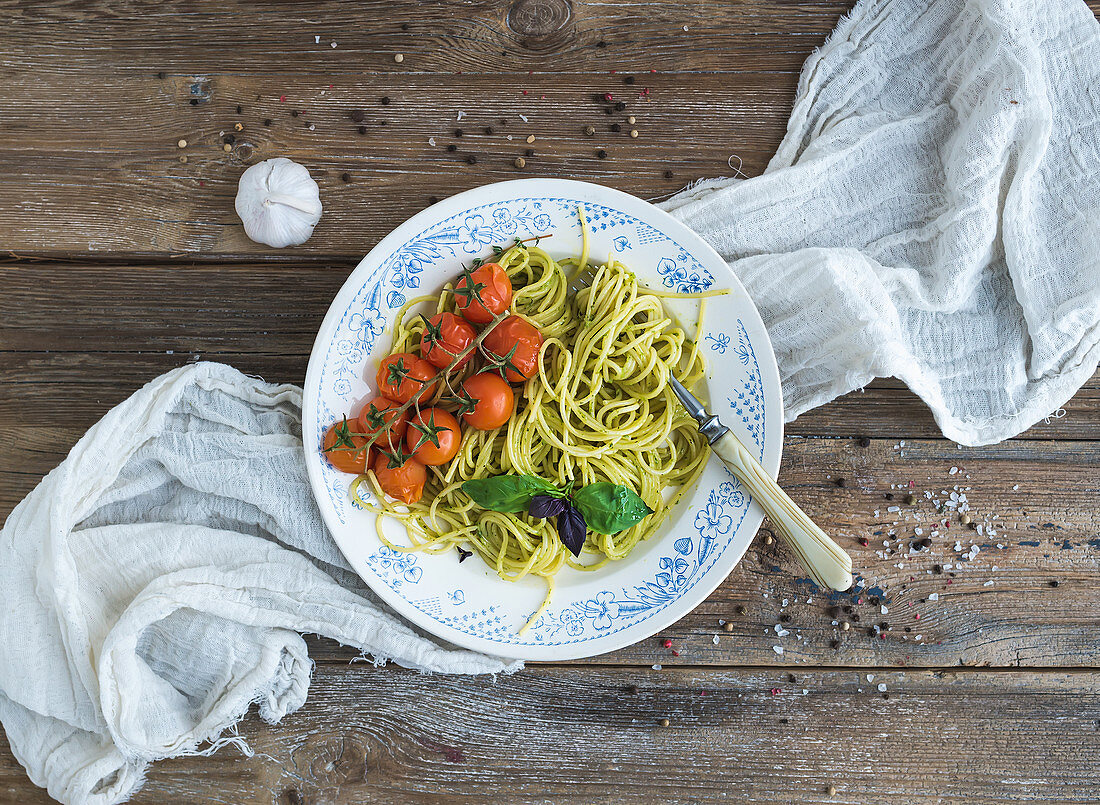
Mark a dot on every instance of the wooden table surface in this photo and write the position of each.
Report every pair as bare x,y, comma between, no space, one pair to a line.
962,678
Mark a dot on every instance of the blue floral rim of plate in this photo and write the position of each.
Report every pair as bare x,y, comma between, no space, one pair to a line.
471,233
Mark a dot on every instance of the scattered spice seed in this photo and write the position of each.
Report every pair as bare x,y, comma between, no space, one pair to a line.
615,127
398,57
458,132
345,177
530,138
728,626
910,499
238,126
520,162
965,519
227,147
471,160
452,147
182,143
632,120
740,609
488,129
194,101
1053,583
267,121
358,115
385,100
183,157
589,130
841,482
601,154
530,152
239,109
634,133
608,97
845,626
831,791
362,129
632,690
668,174
620,106
768,540
160,74
667,643
601,44
665,722
864,441
229,139
628,80
834,644
889,495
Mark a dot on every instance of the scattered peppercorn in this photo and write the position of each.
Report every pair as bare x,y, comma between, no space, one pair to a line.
889,495
841,482
668,174
634,133
385,100
488,129
530,138
601,154
910,499
628,80
520,162
620,106
665,722
937,569
160,74
358,115
471,160
1053,583
834,644
530,152
589,130
452,147
784,618
294,113
404,26
397,57
362,129
267,121
965,519
855,617
728,626
345,177
632,690
864,441
229,139
194,101
615,127
458,132
740,609
601,44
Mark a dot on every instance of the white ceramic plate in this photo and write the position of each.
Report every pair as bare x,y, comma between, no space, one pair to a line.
665,577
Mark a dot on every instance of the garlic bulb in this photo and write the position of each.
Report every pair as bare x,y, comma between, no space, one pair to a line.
279,202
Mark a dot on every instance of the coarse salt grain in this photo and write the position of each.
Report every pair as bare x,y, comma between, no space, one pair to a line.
934,597
777,649
870,677
656,667
988,583
881,687
714,640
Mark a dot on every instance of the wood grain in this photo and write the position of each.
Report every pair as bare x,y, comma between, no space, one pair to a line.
572,735
238,313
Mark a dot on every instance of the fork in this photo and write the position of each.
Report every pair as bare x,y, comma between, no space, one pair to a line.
825,561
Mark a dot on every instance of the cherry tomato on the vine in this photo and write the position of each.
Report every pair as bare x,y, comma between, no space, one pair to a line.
344,450
377,415
486,401
403,376
433,437
404,480
483,293
445,335
515,343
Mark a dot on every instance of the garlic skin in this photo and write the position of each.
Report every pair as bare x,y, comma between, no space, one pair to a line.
278,202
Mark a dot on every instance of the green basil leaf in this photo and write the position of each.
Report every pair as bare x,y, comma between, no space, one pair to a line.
507,493
609,508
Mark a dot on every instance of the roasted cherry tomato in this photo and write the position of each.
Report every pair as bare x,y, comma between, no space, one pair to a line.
486,401
376,415
516,343
340,447
488,296
445,335
433,437
403,376
403,481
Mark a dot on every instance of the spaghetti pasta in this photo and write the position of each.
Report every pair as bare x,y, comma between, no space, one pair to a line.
599,409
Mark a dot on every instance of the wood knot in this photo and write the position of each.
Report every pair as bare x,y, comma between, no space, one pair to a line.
541,24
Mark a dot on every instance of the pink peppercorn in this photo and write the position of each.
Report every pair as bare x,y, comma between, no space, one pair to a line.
668,644
607,97
776,691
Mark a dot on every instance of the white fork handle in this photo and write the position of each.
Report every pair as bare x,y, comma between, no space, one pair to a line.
822,558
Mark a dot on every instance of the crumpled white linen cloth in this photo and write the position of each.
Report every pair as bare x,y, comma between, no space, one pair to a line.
933,212
154,585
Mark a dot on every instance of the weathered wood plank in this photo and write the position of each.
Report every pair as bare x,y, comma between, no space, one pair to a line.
119,188
470,37
574,735
241,309
996,608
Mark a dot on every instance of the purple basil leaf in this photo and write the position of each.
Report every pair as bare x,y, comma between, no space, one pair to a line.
543,506
572,529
